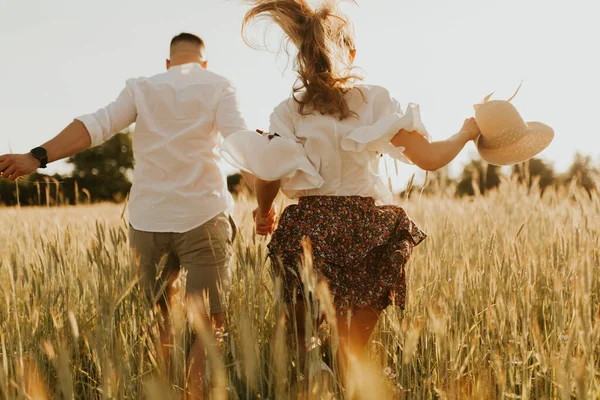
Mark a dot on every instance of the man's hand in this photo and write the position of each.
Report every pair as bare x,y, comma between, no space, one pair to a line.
265,222
13,166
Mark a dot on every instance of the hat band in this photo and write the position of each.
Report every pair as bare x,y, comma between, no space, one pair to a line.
501,138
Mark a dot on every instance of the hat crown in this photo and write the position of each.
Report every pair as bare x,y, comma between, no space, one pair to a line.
496,117
505,138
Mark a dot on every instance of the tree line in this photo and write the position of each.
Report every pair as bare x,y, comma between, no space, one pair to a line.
103,174
478,176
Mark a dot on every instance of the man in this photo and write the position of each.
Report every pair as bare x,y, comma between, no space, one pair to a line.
179,195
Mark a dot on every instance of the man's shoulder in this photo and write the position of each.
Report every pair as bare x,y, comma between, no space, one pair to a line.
213,77
140,80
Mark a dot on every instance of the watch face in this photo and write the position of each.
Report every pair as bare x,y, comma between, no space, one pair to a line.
39,152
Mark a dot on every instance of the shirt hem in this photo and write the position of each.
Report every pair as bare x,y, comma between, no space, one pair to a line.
177,228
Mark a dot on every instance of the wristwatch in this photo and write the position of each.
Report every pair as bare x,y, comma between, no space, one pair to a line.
40,154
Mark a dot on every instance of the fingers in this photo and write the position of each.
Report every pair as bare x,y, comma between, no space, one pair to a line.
470,126
264,230
10,173
8,170
5,161
264,226
9,167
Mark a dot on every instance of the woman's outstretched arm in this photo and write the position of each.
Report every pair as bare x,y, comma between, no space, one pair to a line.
435,155
266,192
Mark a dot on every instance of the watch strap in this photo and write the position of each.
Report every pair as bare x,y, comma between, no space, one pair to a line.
43,159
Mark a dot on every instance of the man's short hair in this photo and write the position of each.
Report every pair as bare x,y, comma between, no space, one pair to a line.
190,39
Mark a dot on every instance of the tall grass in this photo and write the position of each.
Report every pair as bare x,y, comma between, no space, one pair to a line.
502,303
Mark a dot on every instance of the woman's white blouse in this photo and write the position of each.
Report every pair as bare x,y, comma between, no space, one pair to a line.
319,155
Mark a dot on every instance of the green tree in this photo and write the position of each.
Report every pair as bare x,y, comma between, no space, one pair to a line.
34,189
478,175
584,172
103,170
535,169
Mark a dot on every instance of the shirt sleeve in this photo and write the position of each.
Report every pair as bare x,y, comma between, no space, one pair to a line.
282,122
389,118
229,118
110,120
276,155
413,113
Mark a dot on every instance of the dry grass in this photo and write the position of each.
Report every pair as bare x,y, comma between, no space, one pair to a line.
503,303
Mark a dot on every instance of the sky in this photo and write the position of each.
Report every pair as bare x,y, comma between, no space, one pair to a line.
65,58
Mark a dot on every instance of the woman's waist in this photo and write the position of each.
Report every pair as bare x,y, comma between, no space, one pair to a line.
336,201
375,192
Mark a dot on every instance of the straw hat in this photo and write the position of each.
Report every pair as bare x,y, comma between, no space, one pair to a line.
505,138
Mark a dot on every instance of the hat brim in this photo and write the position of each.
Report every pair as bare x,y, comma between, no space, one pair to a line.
535,140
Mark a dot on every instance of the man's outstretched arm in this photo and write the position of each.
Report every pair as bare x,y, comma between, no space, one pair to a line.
73,139
88,130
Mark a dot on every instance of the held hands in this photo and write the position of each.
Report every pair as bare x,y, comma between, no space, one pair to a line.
265,222
13,166
470,129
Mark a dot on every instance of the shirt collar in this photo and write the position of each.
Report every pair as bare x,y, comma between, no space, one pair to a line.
185,68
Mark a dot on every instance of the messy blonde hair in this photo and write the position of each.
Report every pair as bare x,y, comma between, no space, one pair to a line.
324,39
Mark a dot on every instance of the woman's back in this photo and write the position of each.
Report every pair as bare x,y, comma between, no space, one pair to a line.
323,156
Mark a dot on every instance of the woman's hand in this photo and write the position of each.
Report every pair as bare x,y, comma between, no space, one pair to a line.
264,216
471,129
265,222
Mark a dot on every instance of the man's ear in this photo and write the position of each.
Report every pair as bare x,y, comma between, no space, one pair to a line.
168,63
352,55
204,64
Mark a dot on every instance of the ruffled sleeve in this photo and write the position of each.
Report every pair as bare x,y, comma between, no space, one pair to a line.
377,137
277,155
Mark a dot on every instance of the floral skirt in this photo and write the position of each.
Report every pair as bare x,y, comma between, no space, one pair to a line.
360,249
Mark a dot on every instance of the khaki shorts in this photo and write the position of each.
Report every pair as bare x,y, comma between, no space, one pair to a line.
204,253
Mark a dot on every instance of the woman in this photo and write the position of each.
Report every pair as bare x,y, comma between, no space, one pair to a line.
324,148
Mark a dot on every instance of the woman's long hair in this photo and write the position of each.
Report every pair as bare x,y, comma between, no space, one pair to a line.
324,39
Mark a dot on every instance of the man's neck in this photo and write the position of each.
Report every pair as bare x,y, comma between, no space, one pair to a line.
175,61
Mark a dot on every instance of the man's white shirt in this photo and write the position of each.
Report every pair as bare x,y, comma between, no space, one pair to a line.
177,182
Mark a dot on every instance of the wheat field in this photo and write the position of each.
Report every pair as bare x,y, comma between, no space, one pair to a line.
503,302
